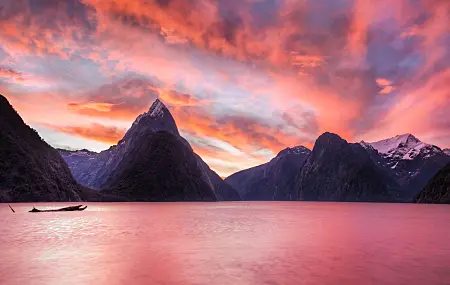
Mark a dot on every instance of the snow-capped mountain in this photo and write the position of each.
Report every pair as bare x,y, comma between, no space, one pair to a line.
447,151
140,163
404,147
408,160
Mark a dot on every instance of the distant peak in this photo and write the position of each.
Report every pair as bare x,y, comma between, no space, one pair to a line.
408,138
329,140
389,144
327,136
405,146
294,150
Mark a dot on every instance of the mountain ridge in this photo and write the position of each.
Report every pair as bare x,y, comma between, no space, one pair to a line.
437,190
273,180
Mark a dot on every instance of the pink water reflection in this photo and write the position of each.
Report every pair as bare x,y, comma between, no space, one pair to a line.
227,243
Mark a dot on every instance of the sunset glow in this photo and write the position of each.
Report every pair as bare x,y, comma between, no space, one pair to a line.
243,79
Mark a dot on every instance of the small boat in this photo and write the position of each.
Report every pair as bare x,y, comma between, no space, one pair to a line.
65,209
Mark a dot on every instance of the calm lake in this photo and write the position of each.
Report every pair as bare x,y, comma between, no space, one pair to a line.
226,243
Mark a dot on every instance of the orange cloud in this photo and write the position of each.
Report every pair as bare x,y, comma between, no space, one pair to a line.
307,60
173,97
112,111
243,133
385,85
383,82
386,90
100,107
97,132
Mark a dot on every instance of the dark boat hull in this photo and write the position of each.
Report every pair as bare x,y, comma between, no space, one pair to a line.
65,209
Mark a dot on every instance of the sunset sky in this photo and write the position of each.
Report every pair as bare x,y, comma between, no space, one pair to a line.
243,78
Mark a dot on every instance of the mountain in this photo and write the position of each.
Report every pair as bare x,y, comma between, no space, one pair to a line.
447,151
340,171
30,169
274,180
79,161
409,161
94,169
437,190
161,167
140,162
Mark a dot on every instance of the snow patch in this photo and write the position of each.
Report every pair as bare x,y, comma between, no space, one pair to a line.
387,145
403,147
156,110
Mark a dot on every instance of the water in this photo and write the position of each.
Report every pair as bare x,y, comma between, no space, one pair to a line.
226,243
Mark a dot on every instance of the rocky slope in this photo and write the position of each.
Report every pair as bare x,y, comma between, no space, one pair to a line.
340,171
437,191
30,169
274,180
160,168
407,160
104,169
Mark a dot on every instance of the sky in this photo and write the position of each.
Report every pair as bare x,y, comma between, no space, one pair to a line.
243,79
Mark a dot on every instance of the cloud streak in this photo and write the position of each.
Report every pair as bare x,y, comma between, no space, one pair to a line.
97,132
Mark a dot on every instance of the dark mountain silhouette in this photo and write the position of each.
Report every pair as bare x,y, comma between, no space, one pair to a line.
30,169
160,168
274,180
141,146
340,171
437,191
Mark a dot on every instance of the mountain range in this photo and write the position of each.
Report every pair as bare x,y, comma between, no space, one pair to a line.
153,162
391,170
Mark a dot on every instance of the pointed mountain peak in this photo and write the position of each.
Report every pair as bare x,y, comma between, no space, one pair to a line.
158,118
157,109
409,138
